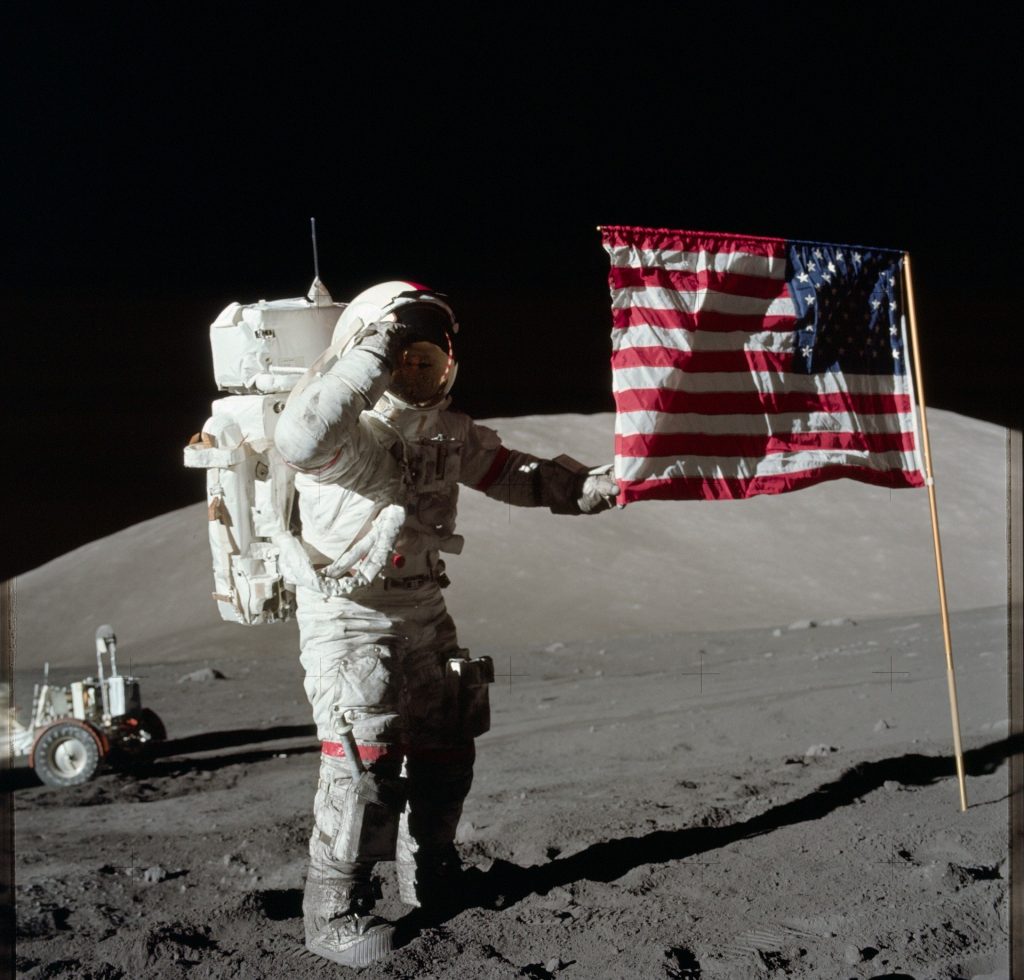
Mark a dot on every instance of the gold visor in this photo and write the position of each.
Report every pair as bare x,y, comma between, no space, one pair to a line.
421,372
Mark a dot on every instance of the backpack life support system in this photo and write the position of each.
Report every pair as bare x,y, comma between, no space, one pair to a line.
260,352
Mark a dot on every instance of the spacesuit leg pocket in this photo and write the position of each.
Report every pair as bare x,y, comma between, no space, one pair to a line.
368,815
365,694
467,682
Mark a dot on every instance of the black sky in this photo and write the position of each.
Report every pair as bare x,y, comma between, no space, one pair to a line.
160,163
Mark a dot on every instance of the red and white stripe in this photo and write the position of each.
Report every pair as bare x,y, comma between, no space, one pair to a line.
702,340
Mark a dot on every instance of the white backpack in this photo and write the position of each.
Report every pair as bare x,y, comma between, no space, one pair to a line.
260,352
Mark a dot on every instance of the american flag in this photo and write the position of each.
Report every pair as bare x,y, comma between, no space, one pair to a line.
744,365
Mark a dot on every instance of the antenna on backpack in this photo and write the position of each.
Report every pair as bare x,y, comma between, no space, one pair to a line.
316,289
316,257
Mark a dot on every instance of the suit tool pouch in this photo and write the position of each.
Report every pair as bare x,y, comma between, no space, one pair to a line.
368,822
470,678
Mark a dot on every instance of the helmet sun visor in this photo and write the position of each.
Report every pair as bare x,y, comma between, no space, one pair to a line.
421,372
427,322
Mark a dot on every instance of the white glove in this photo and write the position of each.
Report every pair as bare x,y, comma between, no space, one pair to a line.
360,564
384,339
598,491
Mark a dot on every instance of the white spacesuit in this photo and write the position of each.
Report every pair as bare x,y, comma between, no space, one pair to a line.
379,458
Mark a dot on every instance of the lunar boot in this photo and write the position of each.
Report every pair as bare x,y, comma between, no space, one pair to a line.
337,919
356,822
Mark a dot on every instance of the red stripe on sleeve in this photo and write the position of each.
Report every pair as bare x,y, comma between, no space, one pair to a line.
497,465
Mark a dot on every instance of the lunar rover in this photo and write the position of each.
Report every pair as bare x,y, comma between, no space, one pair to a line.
99,719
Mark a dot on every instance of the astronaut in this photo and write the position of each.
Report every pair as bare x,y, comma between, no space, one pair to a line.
379,457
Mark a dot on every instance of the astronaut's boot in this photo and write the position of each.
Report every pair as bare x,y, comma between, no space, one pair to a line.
337,919
355,825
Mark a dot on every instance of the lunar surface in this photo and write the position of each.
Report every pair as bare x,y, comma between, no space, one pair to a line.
720,747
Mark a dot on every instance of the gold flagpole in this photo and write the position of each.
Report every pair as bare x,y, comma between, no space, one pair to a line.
930,482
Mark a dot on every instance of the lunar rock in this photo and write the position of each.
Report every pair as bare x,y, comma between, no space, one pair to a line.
203,674
820,750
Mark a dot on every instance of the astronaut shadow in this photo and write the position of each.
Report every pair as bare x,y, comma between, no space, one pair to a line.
504,884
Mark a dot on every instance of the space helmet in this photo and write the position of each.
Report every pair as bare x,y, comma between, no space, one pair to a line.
427,372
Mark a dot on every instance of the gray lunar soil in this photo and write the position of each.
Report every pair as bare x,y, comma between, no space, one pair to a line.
720,746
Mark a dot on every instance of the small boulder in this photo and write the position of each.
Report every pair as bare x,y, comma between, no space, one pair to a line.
203,674
817,751
859,954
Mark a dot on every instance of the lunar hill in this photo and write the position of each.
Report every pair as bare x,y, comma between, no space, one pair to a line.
526,576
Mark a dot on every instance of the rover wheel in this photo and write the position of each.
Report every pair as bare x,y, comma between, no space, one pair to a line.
66,754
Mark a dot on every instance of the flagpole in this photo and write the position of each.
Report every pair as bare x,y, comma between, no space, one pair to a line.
930,483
